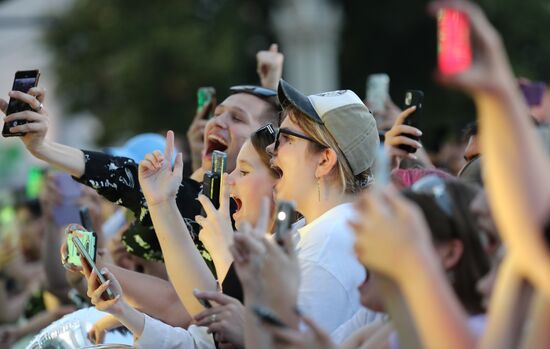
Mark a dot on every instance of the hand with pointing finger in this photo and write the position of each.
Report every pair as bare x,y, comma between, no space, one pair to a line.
270,66
159,180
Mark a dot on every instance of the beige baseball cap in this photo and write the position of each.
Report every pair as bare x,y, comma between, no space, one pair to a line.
345,116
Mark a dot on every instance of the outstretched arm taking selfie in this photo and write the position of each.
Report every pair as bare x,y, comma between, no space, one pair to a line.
185,265
68,159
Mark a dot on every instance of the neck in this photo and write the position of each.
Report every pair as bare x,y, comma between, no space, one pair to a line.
319,202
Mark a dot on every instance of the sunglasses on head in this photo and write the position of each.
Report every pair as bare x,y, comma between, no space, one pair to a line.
294,134
436,187
267,133
257,91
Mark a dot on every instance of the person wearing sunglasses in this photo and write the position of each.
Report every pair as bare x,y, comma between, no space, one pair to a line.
324,153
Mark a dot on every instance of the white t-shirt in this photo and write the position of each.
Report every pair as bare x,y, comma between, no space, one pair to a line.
330,271
362,318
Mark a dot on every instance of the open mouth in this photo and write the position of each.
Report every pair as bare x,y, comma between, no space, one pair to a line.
239,204
214,142
276,169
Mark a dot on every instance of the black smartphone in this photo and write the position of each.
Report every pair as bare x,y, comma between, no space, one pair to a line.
82,250
212,180
412,98
86,219
24,80
205,96
266,315
284,217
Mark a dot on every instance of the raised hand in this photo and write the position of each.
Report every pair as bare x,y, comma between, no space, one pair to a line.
270,66
159,180
195,134
490,70
37,127
397,136
389,229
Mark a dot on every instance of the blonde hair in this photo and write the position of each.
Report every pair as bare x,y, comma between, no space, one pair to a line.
349,182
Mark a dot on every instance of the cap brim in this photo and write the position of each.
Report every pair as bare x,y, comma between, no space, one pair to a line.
288,95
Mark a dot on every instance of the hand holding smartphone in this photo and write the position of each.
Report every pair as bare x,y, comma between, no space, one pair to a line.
90,266
212,180
412,98
206,97
23,81
284,217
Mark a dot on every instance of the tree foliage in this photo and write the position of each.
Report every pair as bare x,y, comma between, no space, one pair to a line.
137,64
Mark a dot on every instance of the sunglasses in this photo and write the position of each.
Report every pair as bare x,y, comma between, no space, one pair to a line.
286,131
257,91
267,133
436,187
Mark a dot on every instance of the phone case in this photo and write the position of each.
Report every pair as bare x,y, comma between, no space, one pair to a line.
416,98
88,240
24,80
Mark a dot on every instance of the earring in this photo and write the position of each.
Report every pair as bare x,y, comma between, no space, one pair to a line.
318,190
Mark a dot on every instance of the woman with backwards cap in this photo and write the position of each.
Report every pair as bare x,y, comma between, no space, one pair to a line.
324,152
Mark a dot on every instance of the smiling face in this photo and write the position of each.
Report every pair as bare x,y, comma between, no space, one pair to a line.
250,182
296,165
234,121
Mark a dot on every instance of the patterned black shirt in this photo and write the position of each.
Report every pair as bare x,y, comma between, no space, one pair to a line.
116,179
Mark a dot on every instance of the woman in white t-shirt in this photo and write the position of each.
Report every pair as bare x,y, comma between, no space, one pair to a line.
324,152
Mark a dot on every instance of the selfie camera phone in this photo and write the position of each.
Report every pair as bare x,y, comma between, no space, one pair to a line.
378,88
82,250
284,216
453,37
205,95
88,239
266,315
24,80
212,180
412,98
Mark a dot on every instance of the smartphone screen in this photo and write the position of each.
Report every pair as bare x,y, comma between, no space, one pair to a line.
205,96
454,47
23,81
82,250
378,86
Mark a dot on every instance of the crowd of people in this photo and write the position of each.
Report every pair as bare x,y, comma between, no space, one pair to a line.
387,250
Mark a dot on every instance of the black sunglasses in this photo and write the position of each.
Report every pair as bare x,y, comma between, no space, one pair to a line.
257,91
267,133
294,134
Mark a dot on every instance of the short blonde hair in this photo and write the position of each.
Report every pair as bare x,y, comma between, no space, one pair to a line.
350,183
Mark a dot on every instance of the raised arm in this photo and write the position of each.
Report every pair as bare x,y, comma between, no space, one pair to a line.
68,159
185,266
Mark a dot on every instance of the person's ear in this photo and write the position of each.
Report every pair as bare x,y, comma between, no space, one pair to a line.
327,161
450,253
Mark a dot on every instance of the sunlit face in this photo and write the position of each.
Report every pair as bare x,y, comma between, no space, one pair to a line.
235,119
296,165
250,182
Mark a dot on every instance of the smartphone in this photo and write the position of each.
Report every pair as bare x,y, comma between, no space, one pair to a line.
82,250
454,46
381,168
212,180
266,315
412,98
24,80
86,219
88,239
204,302
378,88
284,217
206,95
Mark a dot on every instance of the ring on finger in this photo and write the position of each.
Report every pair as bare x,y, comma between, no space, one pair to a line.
39,108
213,318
